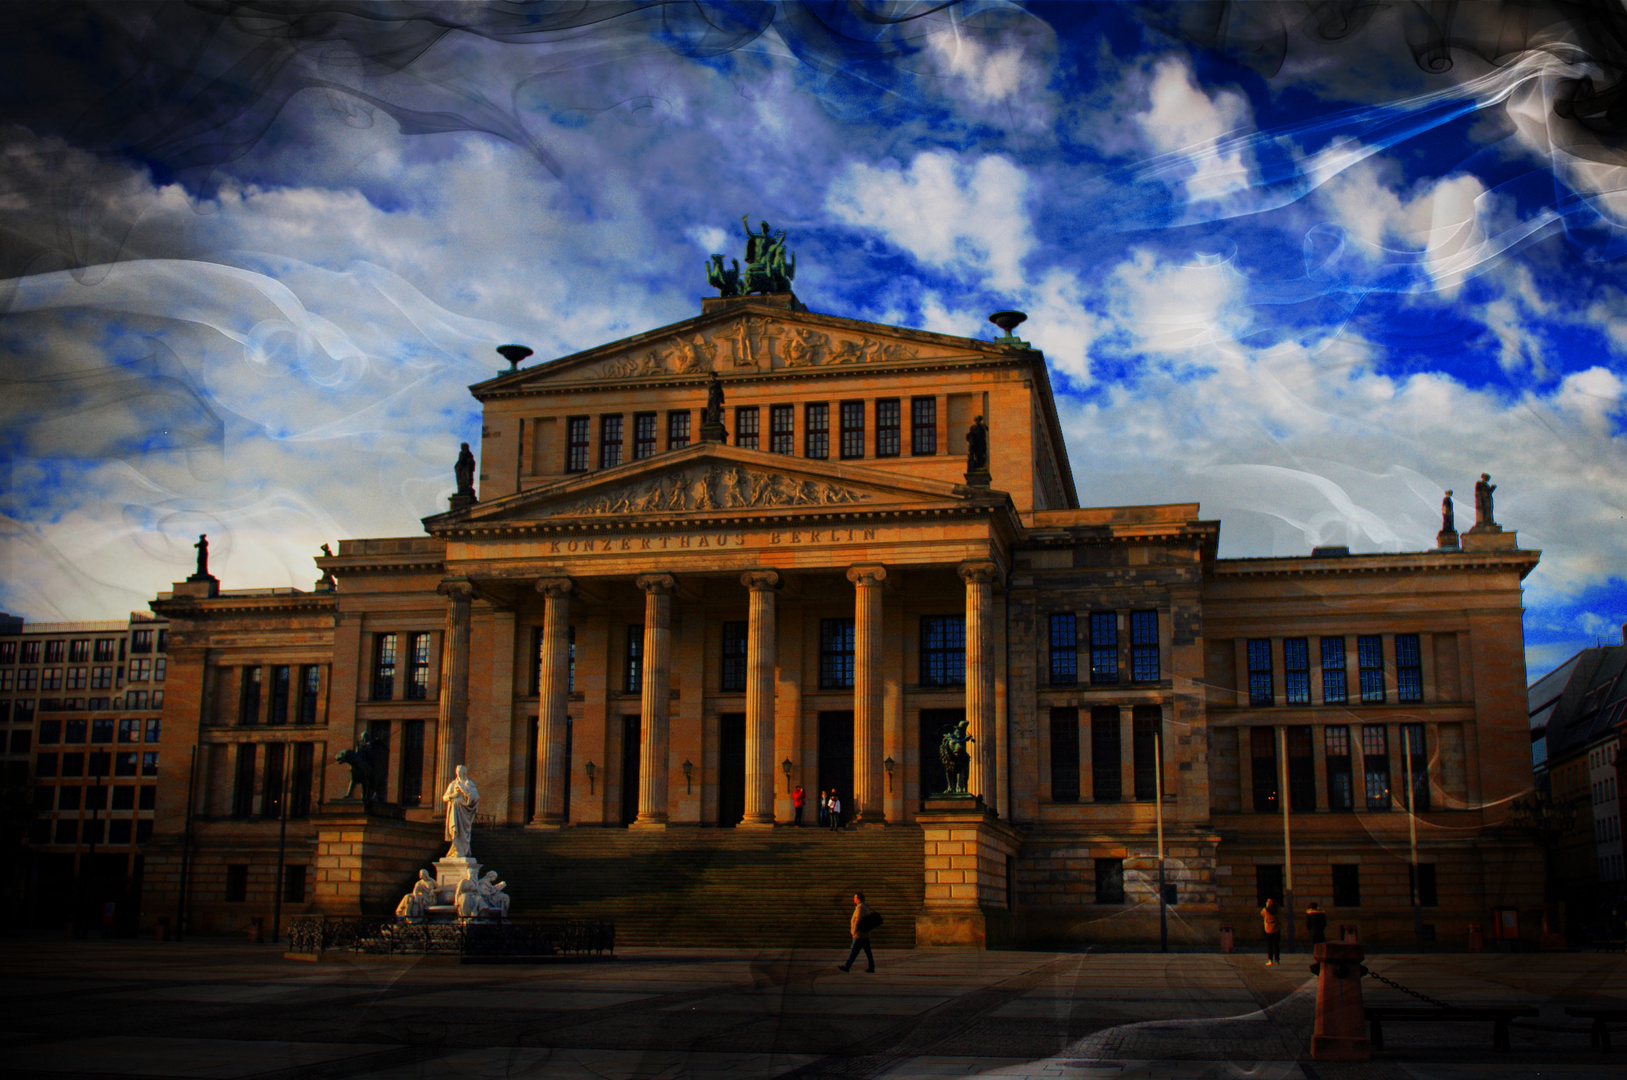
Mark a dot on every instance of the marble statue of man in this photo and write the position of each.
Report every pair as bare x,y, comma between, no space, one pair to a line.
493,899
416,904
461,798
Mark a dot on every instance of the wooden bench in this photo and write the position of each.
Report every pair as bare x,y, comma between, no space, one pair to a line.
1499,1015
1598,1036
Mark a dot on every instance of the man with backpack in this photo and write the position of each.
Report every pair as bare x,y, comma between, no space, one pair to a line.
864,920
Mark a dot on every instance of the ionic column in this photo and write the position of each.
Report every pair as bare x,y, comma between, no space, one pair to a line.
553,695
652,754
760,697
979,578
867,694
454,712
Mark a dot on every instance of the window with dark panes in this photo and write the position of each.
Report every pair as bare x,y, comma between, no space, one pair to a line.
75,731
609,441
888,439
1370,661
152,729
1413,746
417,666
1144,746
1065,755
1333,671
310,683
101,730
124,763
129,730
852,418
635,659
835,654
76,678
277,712
1346,886
577,438
67,831
732,669
50,732
21,742
816,430
1109,881
1409,672
1421,880
410,787
1267,883
79,651
923,426
943,650
144,830
1263,754
44,797
1301,770
163,641
746,427
141,670
51,679
104,650
54,650
101,678
124,797
1375,746
383,667
782,420
73,764
28,679
1260,686
45,765
293,884
678,430
243,785
149,763
6,677
141,641
160,665
643,435
1144,646
1106,754
1064,638
237,883
8,652
1104,647
29,653
69,798
299,792
96,797
1296,671
148,800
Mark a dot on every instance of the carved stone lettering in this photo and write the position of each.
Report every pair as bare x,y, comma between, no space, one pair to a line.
710,487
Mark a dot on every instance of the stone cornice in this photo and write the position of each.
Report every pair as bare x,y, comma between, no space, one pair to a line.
1399,563
187,607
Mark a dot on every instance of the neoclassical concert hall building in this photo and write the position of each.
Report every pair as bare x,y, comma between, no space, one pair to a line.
655,614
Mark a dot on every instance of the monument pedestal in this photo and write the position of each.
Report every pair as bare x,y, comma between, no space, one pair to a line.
968,854
365,857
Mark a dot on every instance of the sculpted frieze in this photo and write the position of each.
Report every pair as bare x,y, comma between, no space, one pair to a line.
753,343
711,487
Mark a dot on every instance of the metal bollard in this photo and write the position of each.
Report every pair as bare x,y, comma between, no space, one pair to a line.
1477,940
1341,1025
1225,939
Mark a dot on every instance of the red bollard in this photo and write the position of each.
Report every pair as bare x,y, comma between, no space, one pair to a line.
1477,940
1225,939
1341,1025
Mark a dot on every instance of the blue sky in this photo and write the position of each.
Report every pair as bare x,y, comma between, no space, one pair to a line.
1307,265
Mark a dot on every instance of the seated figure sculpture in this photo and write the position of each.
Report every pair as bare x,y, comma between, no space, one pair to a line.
416,904
493,899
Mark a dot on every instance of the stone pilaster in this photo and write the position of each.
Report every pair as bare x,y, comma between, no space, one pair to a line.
760,664
453,721
657,675
867,695
553,693
979,578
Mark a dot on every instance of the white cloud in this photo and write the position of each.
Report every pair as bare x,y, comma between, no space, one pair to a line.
1182,119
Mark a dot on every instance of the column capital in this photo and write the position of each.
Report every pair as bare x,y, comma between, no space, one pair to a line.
458,589
867,575
979,572
757,580
555,588
656,584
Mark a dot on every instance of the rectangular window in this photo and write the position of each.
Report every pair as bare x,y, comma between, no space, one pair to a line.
149,763
153,727
6,676
1422,881
1263,751
129,730
75,730
163,641
417,667
299,792
1375,748
635,659
45,765
816,430
746,427
1104,647
1109,881
1296,671
30,653
141,670
248,704
124,797
1370,661
67,831
782,429
576,444
73,764
148,799
1333,671
278,713
732,670
1259,671
609,441
51,679
1144,646
243,787
1065,755
237,883
1267,883
943,650
1409,671
8,652
293,884
50,732
888,439
101,678
271,785
411,783
643,435
1106,776
54,649
923,426
1301,770
852,429
1413,747
310,682
141,642
159,666
79,651
28,678
835,654
76,678
69,798
383,667
677,430
1064,649
1346,886
1144,745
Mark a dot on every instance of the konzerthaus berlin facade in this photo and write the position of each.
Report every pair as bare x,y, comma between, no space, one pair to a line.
636,627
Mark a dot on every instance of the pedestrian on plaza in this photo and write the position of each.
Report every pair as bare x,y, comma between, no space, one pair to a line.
824,809
1273,936
796,804
864,920
1316,924
835,811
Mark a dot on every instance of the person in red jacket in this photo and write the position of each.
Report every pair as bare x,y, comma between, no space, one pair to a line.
796,803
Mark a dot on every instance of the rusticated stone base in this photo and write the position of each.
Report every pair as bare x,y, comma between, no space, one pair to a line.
365,861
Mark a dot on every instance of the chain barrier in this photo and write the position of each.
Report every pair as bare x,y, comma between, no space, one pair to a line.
1405,989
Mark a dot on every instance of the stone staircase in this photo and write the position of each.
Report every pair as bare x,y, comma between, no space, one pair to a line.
689,886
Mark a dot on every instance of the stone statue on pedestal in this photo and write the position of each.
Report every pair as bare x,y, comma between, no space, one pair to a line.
462,798
464,470
977,454
202,573
363,770
416,904
956,759
1484,520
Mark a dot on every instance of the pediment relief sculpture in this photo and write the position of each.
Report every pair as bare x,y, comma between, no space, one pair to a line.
751,343
710,487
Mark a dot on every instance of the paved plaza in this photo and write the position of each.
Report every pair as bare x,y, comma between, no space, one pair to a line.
212,1008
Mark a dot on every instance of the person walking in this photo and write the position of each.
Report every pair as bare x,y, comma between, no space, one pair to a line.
1316,924
796,804
1273,936
824,808
860,926
835,811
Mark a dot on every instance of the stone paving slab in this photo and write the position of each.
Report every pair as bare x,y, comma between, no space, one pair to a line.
162,1056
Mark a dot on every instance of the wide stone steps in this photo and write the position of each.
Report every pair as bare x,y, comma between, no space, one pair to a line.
689,886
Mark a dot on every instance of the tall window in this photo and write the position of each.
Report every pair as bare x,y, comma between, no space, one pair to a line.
887,428
243,782
635,659
782,421
271,786
248,703
1065,755
609,441
417,666
677,430
1064,649
732,671
835,654
1263,751
278,712
1370,660
1412,745
8,652
1144,746
852,429
1424,891
1341,792
30,653
54,649
141,642
643,435
816,430
310,682
1301,770
1296,671
1106,775
79,651
1109,881
410,788
299,794
1333,671
1144,646
1346,886
923,426
383,667
1375,748
1409,672
1104,647
943,650
746,420
576,444
1259,671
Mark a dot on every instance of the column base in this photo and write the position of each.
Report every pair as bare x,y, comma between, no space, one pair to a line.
747,823
548,823
649,823
869,819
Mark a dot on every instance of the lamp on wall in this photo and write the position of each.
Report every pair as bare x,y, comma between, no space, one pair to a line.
592,770
785,767
688,768
889,764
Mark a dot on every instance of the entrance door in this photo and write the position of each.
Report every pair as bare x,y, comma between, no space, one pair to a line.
629,768
935,724
836,757
731,768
